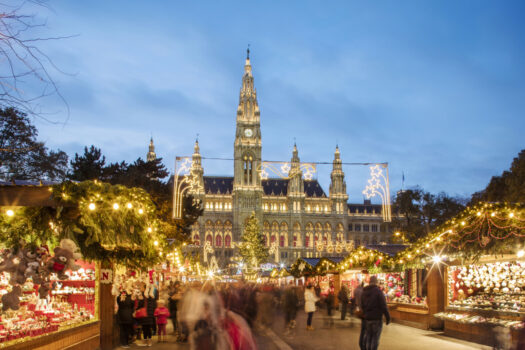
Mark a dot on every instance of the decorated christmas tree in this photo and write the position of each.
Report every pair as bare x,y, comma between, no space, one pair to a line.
253,250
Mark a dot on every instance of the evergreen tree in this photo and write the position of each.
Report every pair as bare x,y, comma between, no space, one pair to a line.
89,166
253,250
22,156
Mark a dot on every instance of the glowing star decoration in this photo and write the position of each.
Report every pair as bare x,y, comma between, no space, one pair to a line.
302,266
186,180
284,170
379,185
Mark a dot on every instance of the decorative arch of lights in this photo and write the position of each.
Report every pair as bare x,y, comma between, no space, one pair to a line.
378,184
184,180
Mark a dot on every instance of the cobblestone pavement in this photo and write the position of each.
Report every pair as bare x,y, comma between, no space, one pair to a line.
345,335
341,335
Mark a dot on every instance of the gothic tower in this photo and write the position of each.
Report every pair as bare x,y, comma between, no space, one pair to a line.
338,196
197,173
295,184
151,154
247,187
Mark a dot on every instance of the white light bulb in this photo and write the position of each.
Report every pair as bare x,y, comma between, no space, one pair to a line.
9,212
91,206
141,211
116,206
129,205
521,254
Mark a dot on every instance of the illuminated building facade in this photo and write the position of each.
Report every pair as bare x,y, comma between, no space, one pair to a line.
294,212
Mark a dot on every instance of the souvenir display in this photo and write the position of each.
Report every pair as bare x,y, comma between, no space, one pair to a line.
477,319
42,293
498,286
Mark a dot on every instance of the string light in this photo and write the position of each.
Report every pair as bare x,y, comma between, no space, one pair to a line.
436,258
156,243
511,215
149,229
521,253
129,205
10,212
91,206
141,211
116,206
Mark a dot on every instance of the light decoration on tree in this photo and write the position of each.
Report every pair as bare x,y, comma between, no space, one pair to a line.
284,170
366,258
185,180
379,185
485,229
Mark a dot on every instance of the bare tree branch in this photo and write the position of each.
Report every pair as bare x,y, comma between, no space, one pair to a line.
25,69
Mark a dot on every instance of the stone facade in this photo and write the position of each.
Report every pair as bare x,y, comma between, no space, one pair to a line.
294,212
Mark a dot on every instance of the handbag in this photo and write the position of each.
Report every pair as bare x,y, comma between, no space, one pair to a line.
143,311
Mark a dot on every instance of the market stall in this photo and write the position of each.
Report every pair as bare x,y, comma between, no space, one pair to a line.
481,253
485,299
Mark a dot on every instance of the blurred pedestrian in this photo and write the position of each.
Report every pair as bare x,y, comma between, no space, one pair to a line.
374,307
125,308
161,314
358,311
309,305
342,296
330,301
290,306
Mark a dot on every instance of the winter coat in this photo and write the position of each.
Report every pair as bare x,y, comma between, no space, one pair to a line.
309,300
343,296
126,306
150,307
162,314
290,300
373,304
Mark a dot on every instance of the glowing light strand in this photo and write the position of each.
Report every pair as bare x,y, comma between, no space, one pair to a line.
379,185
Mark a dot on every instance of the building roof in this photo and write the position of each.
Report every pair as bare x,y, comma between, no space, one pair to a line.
360,208
218,184
271,187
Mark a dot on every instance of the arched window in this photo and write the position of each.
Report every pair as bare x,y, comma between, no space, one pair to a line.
265,240
296,235
309,235
248,170
266,233
209,239
307,240
195,233
218,241
284,235
227,241
227,233
275,231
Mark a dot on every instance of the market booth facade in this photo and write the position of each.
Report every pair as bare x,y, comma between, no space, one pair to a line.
59,246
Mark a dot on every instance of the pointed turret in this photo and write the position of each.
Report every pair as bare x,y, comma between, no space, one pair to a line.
295,183
197,172
151,156
338,194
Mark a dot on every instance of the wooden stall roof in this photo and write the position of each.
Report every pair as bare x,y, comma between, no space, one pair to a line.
25,193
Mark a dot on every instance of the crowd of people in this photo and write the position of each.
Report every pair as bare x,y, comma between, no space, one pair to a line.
222,315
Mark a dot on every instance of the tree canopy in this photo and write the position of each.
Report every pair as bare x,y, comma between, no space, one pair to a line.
419,212
508,187
252,249
22,156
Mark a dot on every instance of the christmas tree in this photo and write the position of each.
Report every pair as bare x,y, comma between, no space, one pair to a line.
253,250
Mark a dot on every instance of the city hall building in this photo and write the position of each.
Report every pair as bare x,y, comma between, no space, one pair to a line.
295,213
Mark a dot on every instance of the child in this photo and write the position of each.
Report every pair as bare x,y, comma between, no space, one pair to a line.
162,314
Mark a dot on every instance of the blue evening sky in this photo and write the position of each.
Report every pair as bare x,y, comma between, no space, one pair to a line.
435,88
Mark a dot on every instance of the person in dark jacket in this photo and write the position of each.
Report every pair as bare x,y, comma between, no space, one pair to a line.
147,322
290,306
174,297
343,300
126,306
373,303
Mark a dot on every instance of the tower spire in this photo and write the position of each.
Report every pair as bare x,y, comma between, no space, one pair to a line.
151,156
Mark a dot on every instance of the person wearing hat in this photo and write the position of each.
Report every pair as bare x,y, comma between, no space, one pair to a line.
373,304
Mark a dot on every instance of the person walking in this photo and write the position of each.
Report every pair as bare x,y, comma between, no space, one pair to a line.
342,296
174,297
290,304
125,308
330,301
358,311
374,306
161,314
309,305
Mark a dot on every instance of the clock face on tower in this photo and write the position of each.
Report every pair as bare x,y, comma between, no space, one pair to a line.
248,132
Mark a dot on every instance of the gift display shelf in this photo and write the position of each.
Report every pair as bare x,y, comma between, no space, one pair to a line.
413,315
